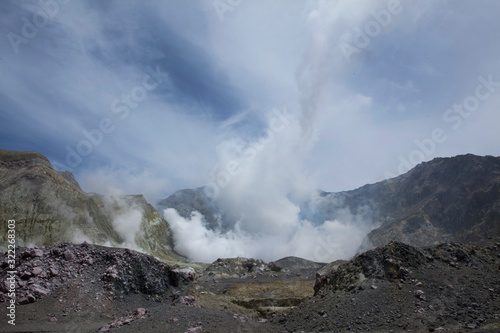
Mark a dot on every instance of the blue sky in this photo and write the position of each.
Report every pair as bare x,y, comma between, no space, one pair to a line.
70,69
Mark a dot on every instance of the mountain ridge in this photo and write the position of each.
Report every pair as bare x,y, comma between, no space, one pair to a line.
445,199
50,207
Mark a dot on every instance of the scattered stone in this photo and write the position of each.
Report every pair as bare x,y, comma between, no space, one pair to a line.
419,293
38,268
23,300
53,319
36,271
31,298
471,326
68,255
39,290
187,300
36,253
140,312
53,272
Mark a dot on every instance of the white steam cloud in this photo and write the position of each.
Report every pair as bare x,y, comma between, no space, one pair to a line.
126,218
323,243
261,181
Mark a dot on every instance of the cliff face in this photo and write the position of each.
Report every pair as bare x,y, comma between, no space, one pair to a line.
49,207
446,199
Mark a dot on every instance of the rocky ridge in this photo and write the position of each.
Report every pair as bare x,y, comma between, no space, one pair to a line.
81,275
446,199
49,207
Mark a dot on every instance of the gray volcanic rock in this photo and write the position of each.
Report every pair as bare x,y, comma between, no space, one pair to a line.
298,263
446,199
49,207
450,287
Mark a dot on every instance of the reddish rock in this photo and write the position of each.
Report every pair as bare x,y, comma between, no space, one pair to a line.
36,271
127,321
27,299
68,255
319,283
140,312
26,254
37,289
187,300
36,253
53,272
4,286
23,300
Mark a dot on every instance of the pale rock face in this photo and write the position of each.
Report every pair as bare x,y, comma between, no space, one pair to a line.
49,207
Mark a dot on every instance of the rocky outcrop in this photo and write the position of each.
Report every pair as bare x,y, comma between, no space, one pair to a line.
450,287
446,199
297,263
391,262
252,268
49,207
40,271
238,268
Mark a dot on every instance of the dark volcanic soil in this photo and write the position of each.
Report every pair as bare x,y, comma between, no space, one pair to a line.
84,288
451,287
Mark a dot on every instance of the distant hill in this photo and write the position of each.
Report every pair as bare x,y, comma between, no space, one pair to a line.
49,207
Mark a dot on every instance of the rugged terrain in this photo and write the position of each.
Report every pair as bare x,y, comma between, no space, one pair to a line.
64,284
50,207
446,199
450,287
